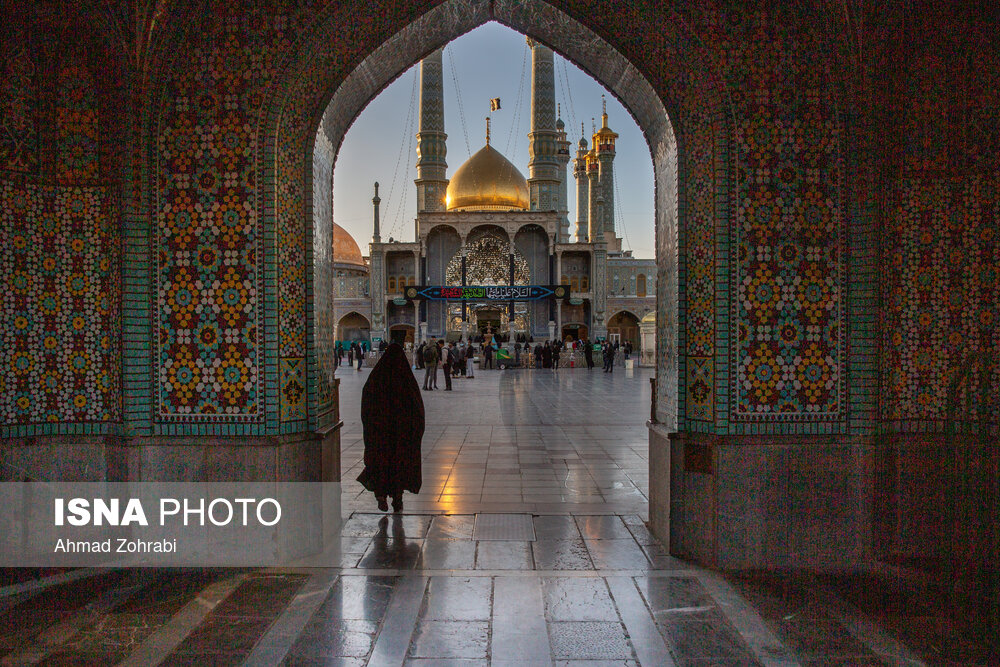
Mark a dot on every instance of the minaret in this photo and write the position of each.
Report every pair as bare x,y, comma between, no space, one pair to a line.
562,154
376,236
543,165
582,191
431,148
595,198
604,144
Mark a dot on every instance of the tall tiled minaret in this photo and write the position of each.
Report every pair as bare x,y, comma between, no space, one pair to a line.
431,140
582,190
543,165
562,155
604,145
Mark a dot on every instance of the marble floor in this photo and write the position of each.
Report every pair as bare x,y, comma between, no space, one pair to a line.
520,441
526,546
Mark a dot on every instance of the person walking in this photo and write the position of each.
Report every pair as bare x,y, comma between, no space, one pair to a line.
392,415
538,355
359,354
470,361
588,354
447,363
430,357
547,355
555,355
419,356
488,354
609,358
517,354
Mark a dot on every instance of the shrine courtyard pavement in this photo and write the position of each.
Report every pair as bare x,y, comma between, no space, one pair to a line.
527,545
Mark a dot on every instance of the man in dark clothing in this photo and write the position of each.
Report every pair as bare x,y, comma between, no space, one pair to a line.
392,414
588,354
382,346
448,362
359,354
430,357
419,356
609,358
488,354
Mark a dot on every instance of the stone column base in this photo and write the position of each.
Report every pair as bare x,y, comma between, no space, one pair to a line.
763,502
312,457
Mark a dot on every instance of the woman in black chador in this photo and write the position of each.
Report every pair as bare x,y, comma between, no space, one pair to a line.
392,414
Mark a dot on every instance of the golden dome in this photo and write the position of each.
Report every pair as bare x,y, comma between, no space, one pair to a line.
345,248
487,181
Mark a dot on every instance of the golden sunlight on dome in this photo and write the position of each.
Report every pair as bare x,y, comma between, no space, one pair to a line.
345,248
487,181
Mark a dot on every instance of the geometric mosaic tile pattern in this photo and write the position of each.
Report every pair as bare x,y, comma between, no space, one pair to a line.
76,123
788,266
700,160
762,146
19,111
61,305
209,259
943,258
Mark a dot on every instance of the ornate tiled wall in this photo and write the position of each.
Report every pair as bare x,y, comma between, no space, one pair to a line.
76,126
61,302
325,325
758,317
942,316
940,327
60,249
18,107
788,264
210,260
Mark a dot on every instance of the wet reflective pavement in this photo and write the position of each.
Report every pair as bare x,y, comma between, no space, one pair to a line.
564,456
536,441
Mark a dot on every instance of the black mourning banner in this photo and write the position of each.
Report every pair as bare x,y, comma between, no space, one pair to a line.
486,293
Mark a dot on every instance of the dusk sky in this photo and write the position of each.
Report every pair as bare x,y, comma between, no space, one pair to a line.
491,61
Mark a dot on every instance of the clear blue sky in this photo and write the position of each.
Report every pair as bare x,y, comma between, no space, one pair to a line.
491,61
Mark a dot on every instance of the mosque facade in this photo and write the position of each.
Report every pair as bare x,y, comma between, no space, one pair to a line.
488,225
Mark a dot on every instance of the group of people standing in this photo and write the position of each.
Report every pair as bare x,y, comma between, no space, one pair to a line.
354,352
454,359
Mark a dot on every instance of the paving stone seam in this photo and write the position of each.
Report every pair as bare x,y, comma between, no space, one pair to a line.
392,644
38,585
763,643
651,647
864,629
55,636
279,639
162,643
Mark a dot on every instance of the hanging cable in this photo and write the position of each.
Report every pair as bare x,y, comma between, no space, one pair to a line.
564,79
517,105
461,109
621,216
410,168
569,95
403,143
